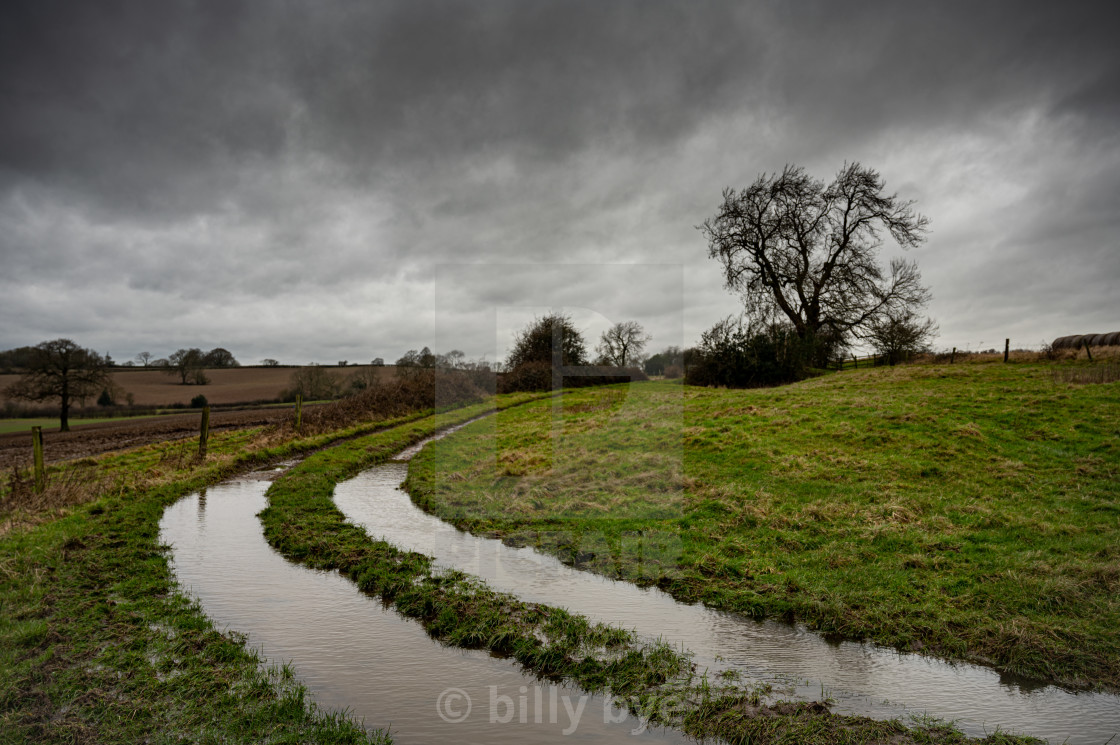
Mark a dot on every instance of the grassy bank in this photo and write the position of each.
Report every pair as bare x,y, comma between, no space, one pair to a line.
968,511
97,643
658,682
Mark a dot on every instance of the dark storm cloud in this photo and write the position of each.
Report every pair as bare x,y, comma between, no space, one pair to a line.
309,164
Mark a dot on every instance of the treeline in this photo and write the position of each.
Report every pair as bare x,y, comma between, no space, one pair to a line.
22,359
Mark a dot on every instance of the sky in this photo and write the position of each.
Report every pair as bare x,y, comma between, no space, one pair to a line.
314,180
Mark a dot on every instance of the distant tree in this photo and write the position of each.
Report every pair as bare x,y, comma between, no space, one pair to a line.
16,359
343,363
106,398
313,382
805,252
188,364
378,362
453,360
658,363
219,358
144,358
269,362
62,370
898,336
622,343
412,358
553,339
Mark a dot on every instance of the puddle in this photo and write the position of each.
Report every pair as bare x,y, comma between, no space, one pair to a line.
353,653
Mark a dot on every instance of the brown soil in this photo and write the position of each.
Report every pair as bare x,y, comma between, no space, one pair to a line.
93,439
237,385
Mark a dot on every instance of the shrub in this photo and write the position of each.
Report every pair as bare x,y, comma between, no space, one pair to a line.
393,397
537,376
736,356
199,401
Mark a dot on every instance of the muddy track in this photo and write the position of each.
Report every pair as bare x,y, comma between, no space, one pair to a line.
92,439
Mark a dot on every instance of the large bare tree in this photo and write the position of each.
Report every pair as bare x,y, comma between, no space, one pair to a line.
807,252
62,370
622,343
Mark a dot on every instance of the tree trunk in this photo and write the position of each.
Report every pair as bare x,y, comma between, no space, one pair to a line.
64,418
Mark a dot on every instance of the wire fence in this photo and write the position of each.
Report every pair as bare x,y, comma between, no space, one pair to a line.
1006,348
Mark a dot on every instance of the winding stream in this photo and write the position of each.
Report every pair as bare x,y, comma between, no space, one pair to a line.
861,678
353,653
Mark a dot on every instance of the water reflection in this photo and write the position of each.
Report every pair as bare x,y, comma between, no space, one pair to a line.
353,653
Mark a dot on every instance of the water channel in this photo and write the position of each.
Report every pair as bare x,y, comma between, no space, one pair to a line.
355,654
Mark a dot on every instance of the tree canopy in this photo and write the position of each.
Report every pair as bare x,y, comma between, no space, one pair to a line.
807,252
62,370
188,364
552,339
622,343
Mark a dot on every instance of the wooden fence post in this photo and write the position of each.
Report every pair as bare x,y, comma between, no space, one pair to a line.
40,471
1006,349
204,432
1087,350
299,410
855,361
953,355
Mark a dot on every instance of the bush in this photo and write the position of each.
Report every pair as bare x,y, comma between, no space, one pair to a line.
537,376
199,401
735,356
425,389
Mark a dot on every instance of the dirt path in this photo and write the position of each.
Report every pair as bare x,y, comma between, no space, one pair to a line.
92,439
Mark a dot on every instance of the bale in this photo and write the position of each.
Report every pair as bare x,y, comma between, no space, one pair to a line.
1077,341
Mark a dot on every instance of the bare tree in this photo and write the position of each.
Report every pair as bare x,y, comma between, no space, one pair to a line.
799,249
188,364
62,370
144,358
313,383
622,343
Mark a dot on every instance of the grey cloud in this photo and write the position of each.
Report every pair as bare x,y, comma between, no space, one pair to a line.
256,158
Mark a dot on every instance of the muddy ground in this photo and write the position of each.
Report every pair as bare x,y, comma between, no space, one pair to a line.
93,439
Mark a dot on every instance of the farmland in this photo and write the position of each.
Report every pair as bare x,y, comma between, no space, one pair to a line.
235,385
154,389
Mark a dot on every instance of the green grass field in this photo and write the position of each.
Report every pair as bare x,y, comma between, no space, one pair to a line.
25,425
97,643
970,511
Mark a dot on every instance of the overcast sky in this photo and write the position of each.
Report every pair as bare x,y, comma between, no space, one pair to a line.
315,181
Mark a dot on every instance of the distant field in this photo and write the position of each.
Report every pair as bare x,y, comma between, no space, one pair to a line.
23,425
229,386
